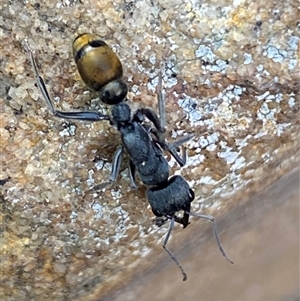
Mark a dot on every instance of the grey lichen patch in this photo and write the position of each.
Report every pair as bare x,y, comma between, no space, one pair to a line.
231,77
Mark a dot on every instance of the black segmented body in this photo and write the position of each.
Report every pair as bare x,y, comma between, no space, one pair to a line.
168,199
147,157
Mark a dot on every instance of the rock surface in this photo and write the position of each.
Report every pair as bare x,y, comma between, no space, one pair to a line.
231,77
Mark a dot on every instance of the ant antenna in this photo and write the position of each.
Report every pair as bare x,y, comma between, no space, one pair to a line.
170,253
212,219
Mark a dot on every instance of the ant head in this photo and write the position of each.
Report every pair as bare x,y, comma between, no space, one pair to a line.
121,114
113,92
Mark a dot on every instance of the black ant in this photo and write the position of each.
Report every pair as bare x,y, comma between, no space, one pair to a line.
101,70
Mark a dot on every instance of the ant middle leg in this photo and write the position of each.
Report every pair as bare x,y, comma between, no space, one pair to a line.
115,169
131,170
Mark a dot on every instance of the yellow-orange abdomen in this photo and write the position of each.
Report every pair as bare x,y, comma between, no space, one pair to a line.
96,62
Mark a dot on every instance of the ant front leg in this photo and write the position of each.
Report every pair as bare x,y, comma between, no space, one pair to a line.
174,147
160,98
159,132
84,116
158,121
152,116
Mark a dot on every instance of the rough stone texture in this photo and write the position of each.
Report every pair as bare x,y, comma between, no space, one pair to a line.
231,77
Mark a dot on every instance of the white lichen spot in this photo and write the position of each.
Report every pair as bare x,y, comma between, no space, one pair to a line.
65,183
68,131
275,54
238,164
99,210
291,102
241,143
248,58
116,194
270,98
99,164
213,138
281,127
229,155
189,105
207,180
90,181
152,58
211,147
222,65
152,84
292,64
203,142
263,96
265,113
278,97
260,68
293,43
73,215
205,53
135,90
195,160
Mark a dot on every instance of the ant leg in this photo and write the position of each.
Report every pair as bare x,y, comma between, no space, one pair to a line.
118,156
177,143
162,115
84,116
184,221
212,219
160,98
159,122
159,133
151,115
173,147
160,220
131,169
170,253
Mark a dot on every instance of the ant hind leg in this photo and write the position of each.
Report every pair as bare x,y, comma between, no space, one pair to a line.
170,253
212,219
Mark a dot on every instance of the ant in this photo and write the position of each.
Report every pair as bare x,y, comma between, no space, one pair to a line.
101,70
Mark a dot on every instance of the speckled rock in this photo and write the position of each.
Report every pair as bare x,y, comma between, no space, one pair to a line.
231,77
